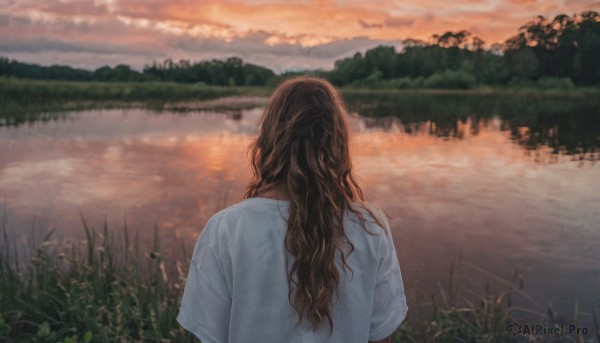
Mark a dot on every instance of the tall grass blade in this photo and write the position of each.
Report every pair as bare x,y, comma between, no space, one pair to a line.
90,235
596,324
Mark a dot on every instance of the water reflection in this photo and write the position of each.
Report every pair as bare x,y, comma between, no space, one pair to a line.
450,185
575,132
568,124
125,165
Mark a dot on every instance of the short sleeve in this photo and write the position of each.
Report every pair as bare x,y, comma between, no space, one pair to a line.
206,303
389,305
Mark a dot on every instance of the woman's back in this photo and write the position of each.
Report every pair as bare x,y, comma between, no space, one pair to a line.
316,267
237,289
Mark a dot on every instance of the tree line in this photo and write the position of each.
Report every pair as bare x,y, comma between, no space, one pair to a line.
230,72
559,52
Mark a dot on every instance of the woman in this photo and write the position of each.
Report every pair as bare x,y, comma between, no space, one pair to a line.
302,258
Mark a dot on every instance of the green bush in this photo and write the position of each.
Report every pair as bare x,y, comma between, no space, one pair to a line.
549,82
407,83
451,79
521,82
374,82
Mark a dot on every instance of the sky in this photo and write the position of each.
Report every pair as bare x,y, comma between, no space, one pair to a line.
281,35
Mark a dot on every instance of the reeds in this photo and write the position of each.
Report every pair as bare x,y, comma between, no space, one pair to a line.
24,101
101,291
470,317
47,91
461,314
104,289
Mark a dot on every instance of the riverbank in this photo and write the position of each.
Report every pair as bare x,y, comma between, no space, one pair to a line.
24,101
46,90
32,100
106,289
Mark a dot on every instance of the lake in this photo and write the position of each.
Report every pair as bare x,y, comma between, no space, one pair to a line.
509,183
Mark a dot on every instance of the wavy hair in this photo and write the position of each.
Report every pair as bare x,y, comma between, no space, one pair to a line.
303,150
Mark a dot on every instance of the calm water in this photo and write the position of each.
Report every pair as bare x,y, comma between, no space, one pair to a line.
507,189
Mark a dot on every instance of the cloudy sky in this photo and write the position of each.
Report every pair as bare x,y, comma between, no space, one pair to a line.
281,35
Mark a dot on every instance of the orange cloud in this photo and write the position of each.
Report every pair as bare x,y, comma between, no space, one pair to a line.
519,2
295,26
388,20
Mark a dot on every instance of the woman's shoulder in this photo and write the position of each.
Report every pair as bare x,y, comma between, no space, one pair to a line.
370,211
250,206
251,209
370,234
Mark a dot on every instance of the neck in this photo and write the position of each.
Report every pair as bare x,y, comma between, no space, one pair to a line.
275,194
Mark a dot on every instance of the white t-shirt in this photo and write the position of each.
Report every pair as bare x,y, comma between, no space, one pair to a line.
237,288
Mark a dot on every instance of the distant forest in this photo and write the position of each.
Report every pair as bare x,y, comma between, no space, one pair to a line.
560,53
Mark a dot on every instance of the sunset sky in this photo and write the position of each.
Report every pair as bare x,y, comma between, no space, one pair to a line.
280,35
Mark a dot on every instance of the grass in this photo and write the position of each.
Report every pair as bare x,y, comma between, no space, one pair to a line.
24,101
103,291
48,91
476,317
107,290
45,91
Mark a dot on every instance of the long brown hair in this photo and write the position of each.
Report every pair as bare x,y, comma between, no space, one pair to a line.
303,150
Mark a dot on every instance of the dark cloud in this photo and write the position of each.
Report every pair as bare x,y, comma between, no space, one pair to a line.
251,48
46,44
280,57
366,25
84,60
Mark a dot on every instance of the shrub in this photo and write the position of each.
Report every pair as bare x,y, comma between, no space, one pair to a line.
450,79
521,82
549,82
